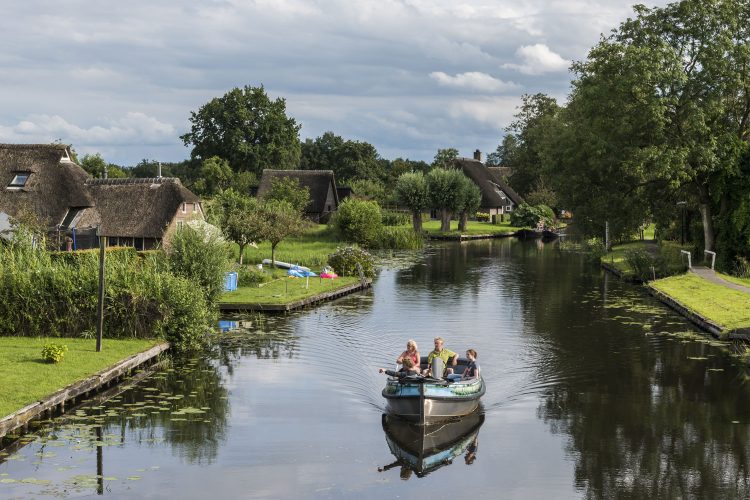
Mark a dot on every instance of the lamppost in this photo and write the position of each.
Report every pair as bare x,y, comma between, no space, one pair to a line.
682,205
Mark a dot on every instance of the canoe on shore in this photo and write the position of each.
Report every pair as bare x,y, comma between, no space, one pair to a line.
285,265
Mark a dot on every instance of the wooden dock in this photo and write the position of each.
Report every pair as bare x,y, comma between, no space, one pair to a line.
75,392
298,304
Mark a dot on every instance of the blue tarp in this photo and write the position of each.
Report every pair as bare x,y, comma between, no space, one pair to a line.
298,272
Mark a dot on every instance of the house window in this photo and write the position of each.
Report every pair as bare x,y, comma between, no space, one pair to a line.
19,179
184,207
180,225
509,208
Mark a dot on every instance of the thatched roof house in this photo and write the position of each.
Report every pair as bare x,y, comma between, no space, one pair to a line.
139,212
502,173
497,197
43,179
324,199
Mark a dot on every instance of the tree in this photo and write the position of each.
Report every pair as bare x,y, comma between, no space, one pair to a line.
411,192
248,129
95,166
470,202
400,166
281,221
288,189
444,158
215,176
359,221
245,225
348,159
445,187
368,189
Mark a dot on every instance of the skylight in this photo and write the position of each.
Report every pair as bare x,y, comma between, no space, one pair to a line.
19,180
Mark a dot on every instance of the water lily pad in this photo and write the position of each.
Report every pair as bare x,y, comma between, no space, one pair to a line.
134,478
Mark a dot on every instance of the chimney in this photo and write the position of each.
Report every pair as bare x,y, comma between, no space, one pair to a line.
478,155
158,171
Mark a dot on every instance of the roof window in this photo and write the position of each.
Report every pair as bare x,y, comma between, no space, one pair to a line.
19,180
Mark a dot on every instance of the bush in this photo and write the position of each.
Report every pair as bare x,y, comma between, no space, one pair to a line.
527,216
53,353
394,218
400,238
252,276
359,221
640,261
482,216
348,261
201,258
547,213
741,267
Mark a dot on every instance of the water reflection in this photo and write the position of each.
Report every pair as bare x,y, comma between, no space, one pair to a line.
422,449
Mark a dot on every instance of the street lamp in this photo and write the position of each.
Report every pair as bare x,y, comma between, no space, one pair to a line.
682,205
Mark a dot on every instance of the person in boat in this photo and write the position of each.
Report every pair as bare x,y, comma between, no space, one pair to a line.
411,352
407,368
472,368
449,357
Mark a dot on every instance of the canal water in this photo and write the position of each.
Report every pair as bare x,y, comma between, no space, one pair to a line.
594,390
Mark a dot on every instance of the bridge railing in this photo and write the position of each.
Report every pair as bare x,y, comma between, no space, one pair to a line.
713,257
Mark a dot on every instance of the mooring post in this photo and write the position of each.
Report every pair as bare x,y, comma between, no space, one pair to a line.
100,305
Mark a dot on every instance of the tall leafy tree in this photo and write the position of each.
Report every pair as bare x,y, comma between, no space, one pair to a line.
444,158
348,159
281,221
471,199
411,192
246,128
445,187
289,189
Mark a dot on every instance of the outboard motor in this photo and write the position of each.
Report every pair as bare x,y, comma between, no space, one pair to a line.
437,368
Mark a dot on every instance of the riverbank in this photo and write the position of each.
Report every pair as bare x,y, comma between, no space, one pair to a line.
721,310
287,294
31,386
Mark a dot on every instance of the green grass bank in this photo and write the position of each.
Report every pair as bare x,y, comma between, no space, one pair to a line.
285,290
432,227
721,305
25,377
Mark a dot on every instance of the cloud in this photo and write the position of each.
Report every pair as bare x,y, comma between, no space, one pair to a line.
538,59
133,128
473,80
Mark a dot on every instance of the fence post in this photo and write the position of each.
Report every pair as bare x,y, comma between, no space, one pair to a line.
685,252
713,257
100,305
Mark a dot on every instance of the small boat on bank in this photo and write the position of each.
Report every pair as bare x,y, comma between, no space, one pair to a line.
426,399
285,265
425,448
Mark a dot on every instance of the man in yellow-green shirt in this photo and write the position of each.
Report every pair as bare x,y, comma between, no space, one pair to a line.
442,353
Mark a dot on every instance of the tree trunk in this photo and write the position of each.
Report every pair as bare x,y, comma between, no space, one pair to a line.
416,219
445,220
242,251
463,220
706,216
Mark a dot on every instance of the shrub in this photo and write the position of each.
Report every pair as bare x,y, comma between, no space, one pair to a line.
348,261
547,213
54,353
359,221
394,218
741,267
400,238
640,261
527,216
252,276
482,216
201,258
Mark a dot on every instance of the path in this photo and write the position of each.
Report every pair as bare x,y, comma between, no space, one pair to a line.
710,275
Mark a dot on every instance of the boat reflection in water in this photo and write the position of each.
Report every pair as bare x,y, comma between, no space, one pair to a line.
422,449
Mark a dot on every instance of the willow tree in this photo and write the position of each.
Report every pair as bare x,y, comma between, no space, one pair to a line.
445,187
411,192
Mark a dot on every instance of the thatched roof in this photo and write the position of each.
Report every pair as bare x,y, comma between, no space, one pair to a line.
317,181
141,208
500,172
492,186
54,184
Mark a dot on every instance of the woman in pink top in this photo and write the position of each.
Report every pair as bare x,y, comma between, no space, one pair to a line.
411,352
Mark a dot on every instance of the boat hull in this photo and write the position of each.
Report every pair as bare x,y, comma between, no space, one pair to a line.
432,401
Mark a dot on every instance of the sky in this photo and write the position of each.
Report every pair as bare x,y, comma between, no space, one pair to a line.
408,76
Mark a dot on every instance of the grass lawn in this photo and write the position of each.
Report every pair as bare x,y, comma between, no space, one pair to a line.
735,279
284,290
25,378
722,305
310,249
473,227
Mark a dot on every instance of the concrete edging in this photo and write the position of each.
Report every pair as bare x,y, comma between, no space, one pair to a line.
22,417
706,324
299,304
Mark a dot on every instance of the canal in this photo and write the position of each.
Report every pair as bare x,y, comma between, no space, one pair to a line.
594,390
